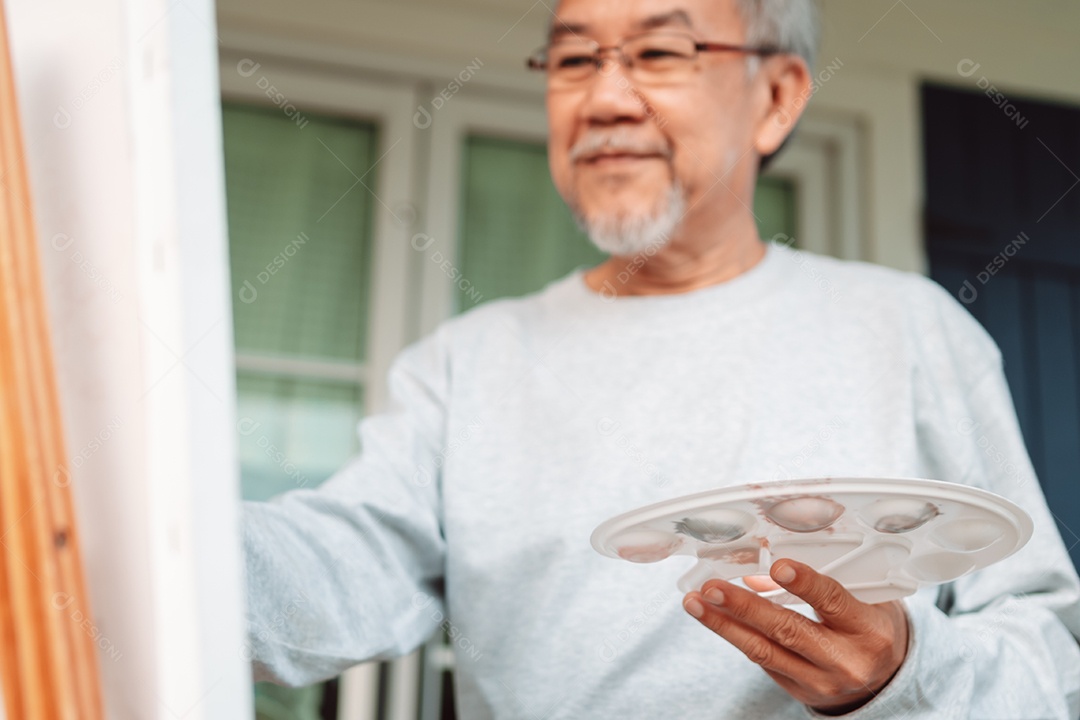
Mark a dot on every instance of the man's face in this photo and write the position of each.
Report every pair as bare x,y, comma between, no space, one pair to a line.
621,152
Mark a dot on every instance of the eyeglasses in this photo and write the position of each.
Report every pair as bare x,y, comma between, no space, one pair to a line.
650,58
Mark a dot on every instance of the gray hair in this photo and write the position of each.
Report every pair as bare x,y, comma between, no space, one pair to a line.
790,25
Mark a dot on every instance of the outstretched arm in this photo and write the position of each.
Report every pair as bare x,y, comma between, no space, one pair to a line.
349,572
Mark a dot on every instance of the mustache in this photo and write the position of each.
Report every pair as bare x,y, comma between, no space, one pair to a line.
594,143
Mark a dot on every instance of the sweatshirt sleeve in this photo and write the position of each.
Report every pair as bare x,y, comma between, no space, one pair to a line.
350,571
1002,641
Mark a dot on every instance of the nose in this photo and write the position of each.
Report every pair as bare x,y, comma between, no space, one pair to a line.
611,96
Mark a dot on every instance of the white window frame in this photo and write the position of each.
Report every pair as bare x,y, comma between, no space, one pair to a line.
822,160
450,127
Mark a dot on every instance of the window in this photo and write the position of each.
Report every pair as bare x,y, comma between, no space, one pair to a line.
320,270
774,205
300,272
516,234
300,268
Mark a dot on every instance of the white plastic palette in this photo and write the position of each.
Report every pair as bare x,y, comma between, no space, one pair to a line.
881,538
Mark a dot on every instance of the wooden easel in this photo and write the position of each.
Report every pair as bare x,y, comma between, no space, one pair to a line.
48,662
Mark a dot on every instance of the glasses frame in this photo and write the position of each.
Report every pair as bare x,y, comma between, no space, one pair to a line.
539,59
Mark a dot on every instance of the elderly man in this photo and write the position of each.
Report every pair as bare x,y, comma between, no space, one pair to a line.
696,356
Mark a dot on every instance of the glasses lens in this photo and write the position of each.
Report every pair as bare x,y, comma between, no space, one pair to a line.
653,58
571,61
660,58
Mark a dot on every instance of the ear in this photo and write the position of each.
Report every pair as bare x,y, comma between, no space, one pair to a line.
785,87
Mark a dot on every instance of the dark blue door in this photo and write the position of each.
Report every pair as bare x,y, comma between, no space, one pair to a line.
1003,235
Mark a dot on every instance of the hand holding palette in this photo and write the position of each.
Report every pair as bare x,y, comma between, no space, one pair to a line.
882,539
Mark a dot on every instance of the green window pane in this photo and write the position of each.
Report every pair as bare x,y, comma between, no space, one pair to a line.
516,234
293,432
299,231
274,702
774,206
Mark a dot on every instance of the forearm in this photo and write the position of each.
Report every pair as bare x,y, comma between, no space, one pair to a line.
328,590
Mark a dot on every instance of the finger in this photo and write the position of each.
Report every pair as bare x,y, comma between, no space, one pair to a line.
759,649
810,640
760,583
833,603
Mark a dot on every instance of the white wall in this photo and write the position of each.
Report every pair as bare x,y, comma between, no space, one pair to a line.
886,49
118,100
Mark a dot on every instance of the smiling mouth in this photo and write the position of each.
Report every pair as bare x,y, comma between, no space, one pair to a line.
617,158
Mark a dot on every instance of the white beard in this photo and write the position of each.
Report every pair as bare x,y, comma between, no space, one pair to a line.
626,234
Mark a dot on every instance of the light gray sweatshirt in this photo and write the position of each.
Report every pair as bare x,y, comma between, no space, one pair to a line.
518,427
